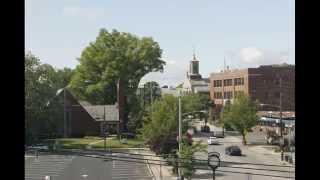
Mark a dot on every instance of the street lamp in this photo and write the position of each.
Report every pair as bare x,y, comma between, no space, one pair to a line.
64,109
281,125
180,131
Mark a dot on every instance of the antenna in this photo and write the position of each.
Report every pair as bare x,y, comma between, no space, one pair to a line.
194,54
224,64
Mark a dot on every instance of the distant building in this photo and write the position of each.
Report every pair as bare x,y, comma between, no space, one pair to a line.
262,84
194,83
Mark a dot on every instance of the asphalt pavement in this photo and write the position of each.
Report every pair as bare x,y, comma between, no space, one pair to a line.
74,167
248,156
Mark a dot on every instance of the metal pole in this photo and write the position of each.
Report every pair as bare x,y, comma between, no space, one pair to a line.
104,129
281,135
65,114
151,100
160,170
213,174
179,132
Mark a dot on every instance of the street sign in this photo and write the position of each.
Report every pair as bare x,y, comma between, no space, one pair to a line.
214,160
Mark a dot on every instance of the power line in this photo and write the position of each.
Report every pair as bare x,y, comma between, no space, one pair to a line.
202,159
196,168
177,160
243,163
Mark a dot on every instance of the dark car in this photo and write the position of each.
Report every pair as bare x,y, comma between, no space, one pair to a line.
233,151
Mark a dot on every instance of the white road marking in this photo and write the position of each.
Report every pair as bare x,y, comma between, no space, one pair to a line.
84,175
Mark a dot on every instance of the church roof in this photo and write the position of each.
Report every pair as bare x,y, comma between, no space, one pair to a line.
97,112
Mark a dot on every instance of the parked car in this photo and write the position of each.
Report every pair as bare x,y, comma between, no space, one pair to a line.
128,135
39,147
218,134
233,151
213,140
205,129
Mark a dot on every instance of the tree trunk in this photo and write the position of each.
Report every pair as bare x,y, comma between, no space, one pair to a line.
244,140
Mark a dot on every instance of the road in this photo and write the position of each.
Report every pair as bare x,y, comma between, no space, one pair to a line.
249,156
74,167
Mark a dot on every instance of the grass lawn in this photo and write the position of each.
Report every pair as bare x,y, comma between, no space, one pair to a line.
115,143
75,143
81,143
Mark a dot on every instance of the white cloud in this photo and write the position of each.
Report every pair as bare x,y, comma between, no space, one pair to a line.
253,57
250,55
174,73
88,13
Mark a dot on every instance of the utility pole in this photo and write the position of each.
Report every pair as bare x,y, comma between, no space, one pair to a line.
104,129
151,100
281,126
64,114
179,138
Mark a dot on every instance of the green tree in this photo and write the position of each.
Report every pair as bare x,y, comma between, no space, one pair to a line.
41,83
161,125
187,155
111,57
142,104
241,115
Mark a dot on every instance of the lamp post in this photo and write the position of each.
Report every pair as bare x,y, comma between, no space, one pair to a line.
65,134
104,129
180,131
281,125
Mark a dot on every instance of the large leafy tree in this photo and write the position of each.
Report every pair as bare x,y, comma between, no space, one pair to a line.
160,126
111,57
241,115
41,83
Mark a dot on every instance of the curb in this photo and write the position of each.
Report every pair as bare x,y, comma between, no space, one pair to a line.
150,170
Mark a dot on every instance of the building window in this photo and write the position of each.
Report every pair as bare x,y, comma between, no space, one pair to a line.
227,82
217,95
277,94
217,83
238,81
228,95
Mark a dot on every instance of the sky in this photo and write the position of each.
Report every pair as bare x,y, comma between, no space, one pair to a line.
245,33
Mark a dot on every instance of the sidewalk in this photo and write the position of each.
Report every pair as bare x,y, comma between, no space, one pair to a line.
159,172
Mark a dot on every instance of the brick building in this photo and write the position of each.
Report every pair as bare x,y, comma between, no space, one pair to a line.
262,84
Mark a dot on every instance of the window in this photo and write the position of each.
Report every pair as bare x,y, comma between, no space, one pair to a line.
217,95
276,94
228,95
217,83
227,82
238,81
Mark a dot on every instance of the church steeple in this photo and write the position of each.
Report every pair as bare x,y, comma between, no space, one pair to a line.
194,68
